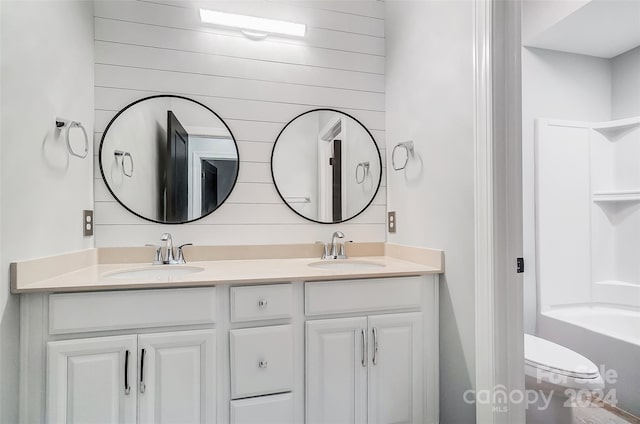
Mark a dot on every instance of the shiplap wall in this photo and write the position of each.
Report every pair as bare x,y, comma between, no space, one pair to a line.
151,47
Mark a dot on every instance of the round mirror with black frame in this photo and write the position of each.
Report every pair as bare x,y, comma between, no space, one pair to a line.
169,159
326,166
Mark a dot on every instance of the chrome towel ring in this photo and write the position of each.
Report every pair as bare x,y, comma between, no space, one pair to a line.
365,172
67,125
121,157
410,152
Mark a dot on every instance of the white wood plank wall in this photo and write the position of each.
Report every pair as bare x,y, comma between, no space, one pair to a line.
148,47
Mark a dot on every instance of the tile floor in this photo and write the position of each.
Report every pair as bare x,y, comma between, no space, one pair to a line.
600,414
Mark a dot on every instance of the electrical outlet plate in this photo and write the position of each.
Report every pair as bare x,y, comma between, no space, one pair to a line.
87,223
391,221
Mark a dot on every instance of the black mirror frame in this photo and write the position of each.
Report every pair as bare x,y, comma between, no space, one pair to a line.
106,130
375,144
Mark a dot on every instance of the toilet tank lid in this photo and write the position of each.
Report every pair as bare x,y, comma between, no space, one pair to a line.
550,356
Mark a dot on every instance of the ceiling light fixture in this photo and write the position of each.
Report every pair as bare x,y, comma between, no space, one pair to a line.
252,26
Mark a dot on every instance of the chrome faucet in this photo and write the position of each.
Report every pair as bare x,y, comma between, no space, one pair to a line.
334,243
169,255
168,248
335,249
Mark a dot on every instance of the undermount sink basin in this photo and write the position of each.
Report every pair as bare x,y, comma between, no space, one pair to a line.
160,272
346,264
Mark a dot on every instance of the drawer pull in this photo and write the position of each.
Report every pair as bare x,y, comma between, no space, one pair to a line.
262,303
262,364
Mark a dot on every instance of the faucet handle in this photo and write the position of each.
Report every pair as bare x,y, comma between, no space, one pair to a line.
158,258
180,259
325,251
342,254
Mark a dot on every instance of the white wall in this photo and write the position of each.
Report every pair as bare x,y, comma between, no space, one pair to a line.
47,71
626,84
430,100
560,86
147,48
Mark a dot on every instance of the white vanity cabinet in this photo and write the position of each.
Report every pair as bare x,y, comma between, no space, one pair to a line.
130,356
365,370
336,368
373,368
177,377
87,380
263,368
149,378
279,353
395,377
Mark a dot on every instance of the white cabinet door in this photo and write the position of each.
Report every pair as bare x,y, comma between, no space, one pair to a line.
177,377
336,371
395,369
92,380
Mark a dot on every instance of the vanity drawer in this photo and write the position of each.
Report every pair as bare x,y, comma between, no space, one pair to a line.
253,303
128,309
274,409
261,361
375,294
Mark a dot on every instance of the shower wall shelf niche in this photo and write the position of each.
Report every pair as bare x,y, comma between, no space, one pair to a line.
614,129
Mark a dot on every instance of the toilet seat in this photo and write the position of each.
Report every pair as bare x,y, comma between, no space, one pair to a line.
564,376
541,354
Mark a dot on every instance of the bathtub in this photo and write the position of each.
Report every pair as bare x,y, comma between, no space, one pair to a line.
608,336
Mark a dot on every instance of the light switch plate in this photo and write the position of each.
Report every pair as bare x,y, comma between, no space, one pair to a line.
391,221
87,223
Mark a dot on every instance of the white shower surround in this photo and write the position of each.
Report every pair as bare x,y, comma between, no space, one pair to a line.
587,192
587,225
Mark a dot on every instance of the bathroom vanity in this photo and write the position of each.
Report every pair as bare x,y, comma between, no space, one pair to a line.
288,340
277,334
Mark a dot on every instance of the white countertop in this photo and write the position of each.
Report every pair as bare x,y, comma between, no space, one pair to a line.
216,272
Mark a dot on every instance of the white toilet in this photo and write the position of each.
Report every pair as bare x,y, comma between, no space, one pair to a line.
557,374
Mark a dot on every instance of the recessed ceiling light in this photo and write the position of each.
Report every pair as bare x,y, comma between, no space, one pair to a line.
252,24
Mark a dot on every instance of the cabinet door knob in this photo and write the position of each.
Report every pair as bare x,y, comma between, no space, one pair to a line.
262,364
262,303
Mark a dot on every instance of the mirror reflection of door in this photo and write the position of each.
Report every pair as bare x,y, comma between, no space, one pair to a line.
331,162
167,137
177,187
318,166
209,186
210,149
336,181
